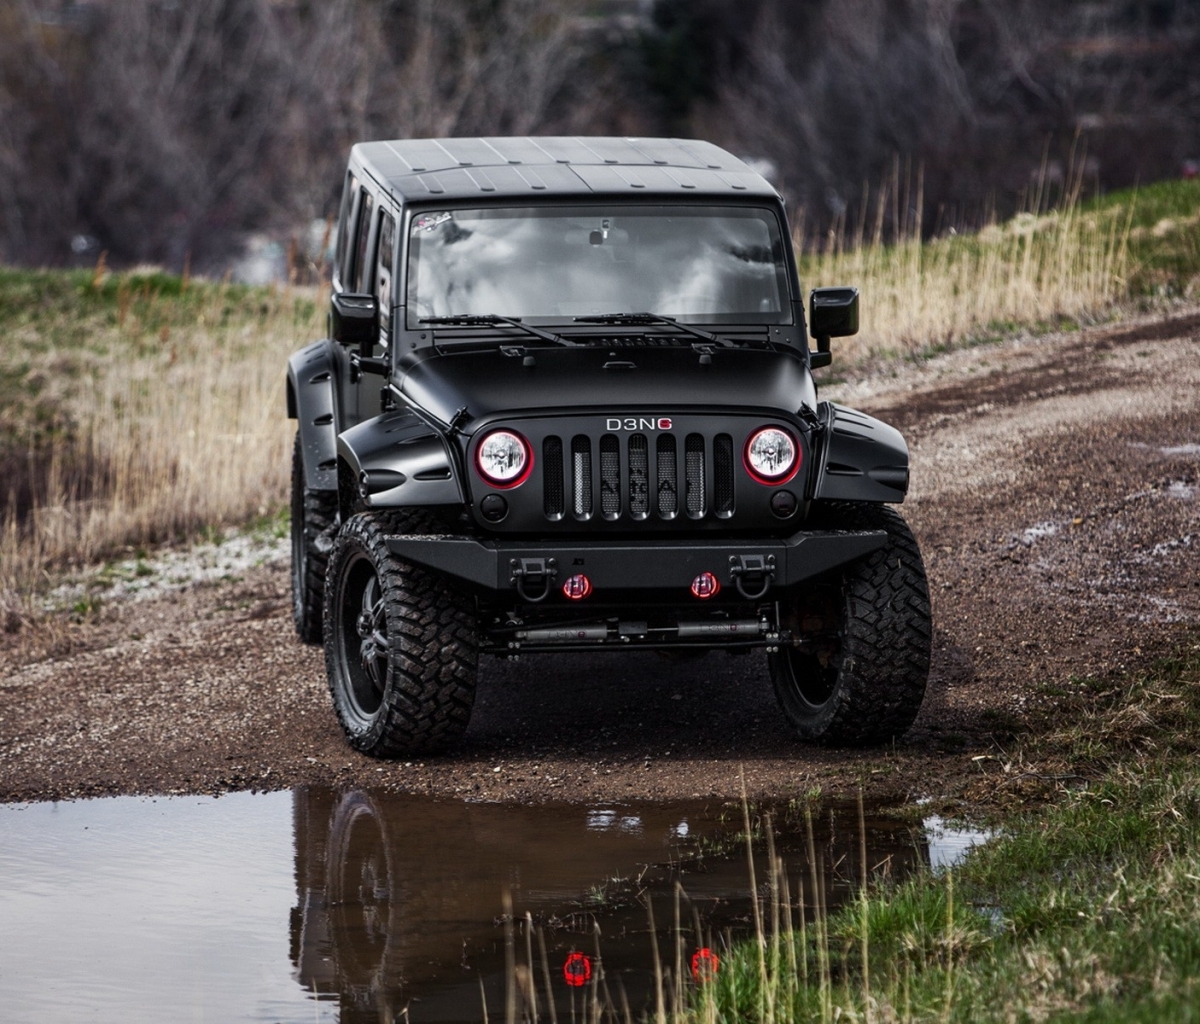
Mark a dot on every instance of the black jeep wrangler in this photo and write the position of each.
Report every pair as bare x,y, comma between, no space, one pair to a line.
567,405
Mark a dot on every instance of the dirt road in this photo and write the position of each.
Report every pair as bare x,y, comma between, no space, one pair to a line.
1056,496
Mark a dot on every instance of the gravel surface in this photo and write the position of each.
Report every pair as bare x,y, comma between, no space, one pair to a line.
1056,496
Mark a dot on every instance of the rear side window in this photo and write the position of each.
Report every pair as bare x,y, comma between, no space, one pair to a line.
362,272
383,273
344,227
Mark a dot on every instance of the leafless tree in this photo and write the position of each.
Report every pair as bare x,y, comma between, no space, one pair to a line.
978,93
165,128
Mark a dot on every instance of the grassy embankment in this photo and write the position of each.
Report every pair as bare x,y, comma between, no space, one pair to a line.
138,408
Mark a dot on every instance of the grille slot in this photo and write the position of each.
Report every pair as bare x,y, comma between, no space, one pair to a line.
668,477
610,476
723,475
581,476
639,476
552,477
693,467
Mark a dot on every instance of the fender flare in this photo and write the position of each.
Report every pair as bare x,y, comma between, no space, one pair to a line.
859,458
396,460
311,401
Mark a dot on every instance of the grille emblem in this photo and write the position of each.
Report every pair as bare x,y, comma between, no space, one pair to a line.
638,423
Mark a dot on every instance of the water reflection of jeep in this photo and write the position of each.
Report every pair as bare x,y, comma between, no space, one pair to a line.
398,898
567,405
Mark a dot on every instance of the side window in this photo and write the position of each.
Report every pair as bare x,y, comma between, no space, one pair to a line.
383,276
362,271
345,228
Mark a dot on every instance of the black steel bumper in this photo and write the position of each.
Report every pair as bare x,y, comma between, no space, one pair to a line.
532,569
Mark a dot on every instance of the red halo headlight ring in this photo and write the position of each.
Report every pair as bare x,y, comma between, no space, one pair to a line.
776,441
504,451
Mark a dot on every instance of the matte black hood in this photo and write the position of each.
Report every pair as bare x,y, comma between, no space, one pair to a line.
563,380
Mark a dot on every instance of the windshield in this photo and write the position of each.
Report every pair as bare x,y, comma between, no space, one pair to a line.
699,264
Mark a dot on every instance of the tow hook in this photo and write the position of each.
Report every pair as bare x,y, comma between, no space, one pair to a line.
752,574
533,572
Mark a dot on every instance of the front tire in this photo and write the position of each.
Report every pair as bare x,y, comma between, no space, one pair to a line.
864,683
401,651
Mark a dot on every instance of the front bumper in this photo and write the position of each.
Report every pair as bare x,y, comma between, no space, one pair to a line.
532,569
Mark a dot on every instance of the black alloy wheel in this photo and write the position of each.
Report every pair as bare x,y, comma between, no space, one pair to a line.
401,651
862,679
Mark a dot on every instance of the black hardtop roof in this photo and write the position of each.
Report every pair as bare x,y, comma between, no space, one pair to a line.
436,170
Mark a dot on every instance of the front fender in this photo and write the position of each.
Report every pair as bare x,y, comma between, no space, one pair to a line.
311,394
859,458
399,461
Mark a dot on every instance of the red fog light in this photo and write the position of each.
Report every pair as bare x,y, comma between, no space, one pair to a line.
577,587
706,585
577,970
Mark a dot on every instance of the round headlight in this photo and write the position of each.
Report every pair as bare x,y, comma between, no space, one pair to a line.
772,455
503,459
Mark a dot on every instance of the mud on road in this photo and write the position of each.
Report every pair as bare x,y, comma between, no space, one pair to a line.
1056,497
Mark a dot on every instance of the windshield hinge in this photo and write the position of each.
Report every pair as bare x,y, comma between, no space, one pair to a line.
461,415
812,419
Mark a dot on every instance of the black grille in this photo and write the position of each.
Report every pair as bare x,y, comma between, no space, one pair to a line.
693,466
668,477
636,482
639,476
581,476
552,477
723,475
610,476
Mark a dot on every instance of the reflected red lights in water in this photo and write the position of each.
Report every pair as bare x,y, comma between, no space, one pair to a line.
704,965
577,971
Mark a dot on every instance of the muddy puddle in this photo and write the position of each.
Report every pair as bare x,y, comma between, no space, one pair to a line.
318,905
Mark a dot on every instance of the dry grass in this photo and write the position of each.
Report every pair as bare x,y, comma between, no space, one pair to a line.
1066,264
140,409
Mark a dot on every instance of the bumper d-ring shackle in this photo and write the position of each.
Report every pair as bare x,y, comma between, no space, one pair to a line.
752,574
531,574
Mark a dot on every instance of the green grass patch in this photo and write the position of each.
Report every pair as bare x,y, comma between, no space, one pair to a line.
1164,236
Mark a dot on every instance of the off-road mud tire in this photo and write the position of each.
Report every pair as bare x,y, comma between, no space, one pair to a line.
314,514
866,687
424,648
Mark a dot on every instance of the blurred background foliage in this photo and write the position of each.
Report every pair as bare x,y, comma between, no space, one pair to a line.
163,131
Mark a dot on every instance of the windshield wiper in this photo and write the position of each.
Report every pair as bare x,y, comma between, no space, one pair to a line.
654,318
491,319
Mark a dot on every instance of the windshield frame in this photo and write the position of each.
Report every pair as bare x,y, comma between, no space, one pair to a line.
582,206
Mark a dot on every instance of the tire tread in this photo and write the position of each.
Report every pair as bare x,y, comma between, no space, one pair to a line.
886,640
434,654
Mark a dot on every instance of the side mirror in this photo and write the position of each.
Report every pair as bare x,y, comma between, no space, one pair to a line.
354,320
832,313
